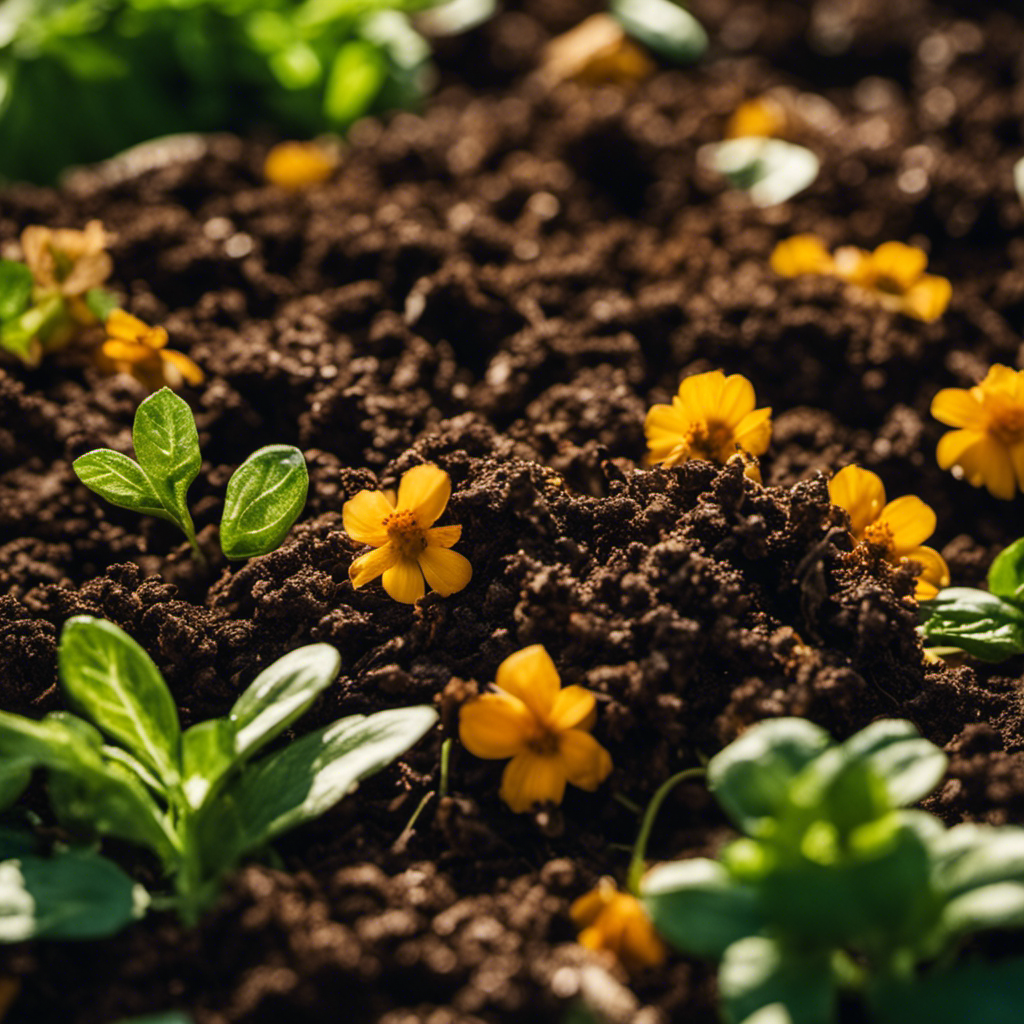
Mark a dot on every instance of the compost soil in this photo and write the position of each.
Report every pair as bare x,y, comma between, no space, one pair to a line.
502,284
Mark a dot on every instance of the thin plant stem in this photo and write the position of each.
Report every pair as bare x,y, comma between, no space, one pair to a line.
628,804
446,757
636,865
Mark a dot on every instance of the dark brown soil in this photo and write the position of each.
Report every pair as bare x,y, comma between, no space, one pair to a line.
503,285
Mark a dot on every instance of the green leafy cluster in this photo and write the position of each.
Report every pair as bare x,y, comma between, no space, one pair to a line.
198,799
987,624
834,888
264,495
81,80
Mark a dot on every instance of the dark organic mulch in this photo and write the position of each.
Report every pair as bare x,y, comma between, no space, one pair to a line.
503,285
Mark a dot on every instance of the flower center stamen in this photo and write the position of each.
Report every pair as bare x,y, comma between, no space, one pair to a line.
405,533
889,285
709,440
1008,425
544,742
880,535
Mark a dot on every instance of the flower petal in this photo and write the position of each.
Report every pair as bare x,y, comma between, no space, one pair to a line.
574,708
933,573
586,763
912,522
532,779
737,400
495,726
900,263
928,298
404,581
530,675
957,407
801,254
861,493
446,571
701,395
181,362
1017,457
664,423
425,490
952,446
754,432
363,518
988,463
443,536
587,908
368,567
122,325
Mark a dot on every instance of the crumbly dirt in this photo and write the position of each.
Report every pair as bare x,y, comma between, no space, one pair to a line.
502,285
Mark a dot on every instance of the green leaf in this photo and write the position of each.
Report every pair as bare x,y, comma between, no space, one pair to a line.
977,622
757,974
264,497
14,779
1006,573
770,171
992,906
167,448
751,777
357,73
895,751
697,907
16,284
121,481
207,753
114,681
101,303
302,781
970,856
663,26
280,694
73,895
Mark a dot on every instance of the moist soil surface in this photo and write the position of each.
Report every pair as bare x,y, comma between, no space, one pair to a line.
502,285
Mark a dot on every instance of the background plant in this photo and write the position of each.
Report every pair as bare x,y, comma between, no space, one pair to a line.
835,888
198,799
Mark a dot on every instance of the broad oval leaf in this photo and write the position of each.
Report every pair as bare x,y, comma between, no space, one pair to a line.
303,781
358,72
264,497
16,284
207,753
121,481
280,694
114,681
1006,573
909,765
72,895
663,26
1000,905
977,622
971,856
770,171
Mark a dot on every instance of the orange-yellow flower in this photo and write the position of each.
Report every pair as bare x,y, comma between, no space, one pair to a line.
296,165
989,446
799,255
407,545
893,276
595,52
134,347
617,921
762,116
711,417
542,727
67,261
899,527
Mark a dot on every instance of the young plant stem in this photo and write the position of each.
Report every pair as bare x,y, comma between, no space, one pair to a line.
446,757
636,865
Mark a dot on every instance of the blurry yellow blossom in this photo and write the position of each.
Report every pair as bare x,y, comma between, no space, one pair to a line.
617,921
296,165
989,446
134,347
898,528
66,261
893,275
761,116
596,52
407,545
542,727
712,417
799,255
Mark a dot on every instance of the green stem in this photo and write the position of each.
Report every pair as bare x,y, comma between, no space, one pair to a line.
628,804
446,756
636,865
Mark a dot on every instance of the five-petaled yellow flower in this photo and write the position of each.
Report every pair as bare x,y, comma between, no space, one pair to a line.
297,165
989,446
800,255
134,347
407,545
542,727
712,417
899,527
616,921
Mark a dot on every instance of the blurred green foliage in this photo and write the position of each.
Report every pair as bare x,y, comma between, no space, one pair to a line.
81,80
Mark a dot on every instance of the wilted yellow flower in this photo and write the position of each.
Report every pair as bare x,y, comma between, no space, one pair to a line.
899,527
408,547
712,417
297,165
762,116
134,347
989,446
799,255
596,52
542,727
67,261
893,275
617,921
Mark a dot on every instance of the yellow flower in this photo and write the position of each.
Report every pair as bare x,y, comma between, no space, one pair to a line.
66,261
893,275
762,116
712,417
799,255
407,545
296,165
543,728
989,446
136,348
899,527
617,921
595,52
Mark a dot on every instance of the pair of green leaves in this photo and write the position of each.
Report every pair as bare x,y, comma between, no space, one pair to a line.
663,27
200,799
833,885
986,624
264,495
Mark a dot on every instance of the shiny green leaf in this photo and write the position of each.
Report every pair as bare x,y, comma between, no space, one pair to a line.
1006,574
663,26
16,284
121,481
975,621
